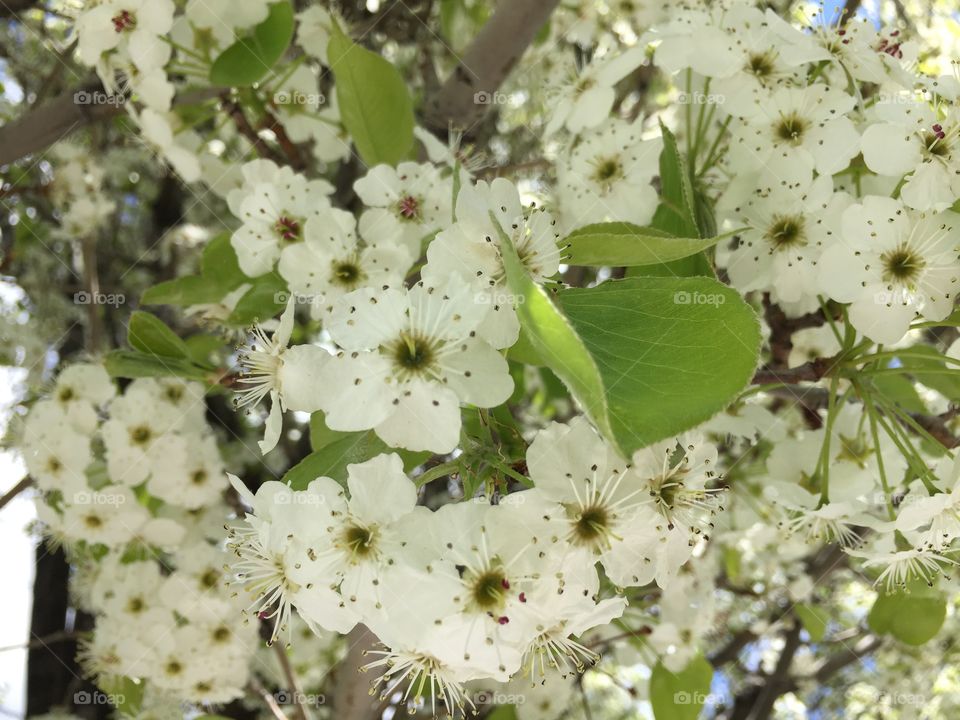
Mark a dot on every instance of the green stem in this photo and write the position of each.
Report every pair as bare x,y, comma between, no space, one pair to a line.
871,415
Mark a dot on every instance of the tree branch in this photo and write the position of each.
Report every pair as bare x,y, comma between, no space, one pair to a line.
486,64
352,700
16,490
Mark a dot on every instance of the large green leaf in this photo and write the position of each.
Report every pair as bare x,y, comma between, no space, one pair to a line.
252,56
680,696
913,615
148,333
375,105
621,243
671,352
647,358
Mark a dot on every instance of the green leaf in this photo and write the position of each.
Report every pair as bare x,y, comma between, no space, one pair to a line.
203,348
149,334
331,461
621,243
219,263
266,297
187,290
670,352
697,265
126,694
814,620
645,358
553,338
680,696
132,364
375,105
320,434
931,368
503,712
913,615
677,213
252,56
220,273
522,351
901,391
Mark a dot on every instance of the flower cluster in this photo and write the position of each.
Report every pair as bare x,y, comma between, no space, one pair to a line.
473,590
132,485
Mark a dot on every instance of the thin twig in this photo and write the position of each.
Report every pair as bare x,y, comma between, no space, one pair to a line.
15,490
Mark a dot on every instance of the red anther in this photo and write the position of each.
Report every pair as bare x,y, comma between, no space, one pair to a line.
503,619
409,206
523,597
505,583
